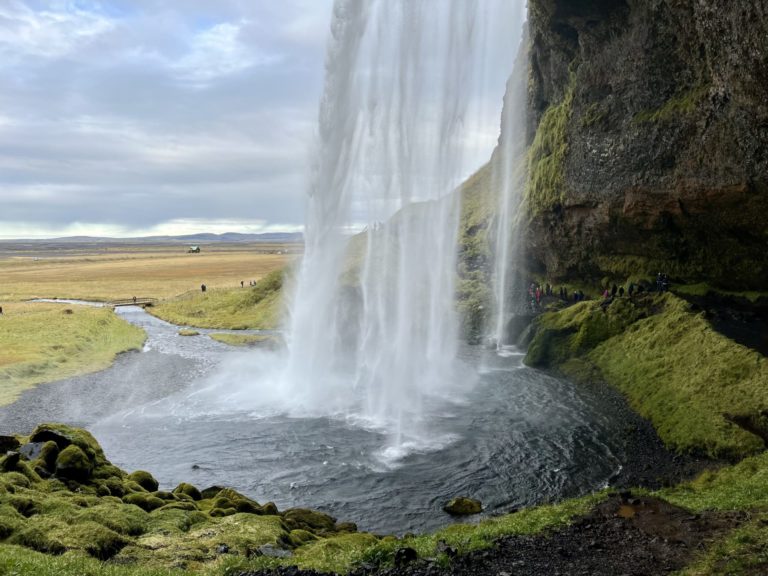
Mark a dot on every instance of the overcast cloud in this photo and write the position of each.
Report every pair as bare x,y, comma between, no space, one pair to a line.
136,117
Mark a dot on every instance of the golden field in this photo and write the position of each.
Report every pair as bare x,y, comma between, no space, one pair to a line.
145,272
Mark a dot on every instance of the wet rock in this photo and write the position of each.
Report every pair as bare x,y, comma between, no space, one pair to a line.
443,548
8,444
9,463
463,506
405,556
31,450
222,549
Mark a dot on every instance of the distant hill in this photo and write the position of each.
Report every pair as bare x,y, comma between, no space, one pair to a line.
204,238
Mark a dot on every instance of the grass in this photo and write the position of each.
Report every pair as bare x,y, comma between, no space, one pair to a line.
743,552
156,273
241,339
466,538
741,487
253,307
738,487
674,369
703,289
44,343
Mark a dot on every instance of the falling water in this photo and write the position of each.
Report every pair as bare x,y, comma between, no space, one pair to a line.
508,165
373,325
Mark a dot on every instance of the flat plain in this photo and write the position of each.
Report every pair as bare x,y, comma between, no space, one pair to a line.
112,272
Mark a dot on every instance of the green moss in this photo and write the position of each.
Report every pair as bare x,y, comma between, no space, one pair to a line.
242,533
592,116
63,436
310,520
681,104
144,501
658,364
188,490
545,188
74,464
125,520
652,349
578,329
145,480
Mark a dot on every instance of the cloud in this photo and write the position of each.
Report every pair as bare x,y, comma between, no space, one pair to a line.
47,33
128,114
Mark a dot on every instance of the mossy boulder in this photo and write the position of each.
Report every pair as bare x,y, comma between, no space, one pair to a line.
145,480
309,520
144,501
63,436
73,463
189,490
211,492
49,452
463,506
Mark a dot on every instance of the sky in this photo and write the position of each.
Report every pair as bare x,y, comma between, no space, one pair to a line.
144,117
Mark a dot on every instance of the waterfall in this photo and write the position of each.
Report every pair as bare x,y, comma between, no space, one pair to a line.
508,165
373,326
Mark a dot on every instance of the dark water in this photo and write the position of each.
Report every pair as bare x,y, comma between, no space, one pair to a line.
519,437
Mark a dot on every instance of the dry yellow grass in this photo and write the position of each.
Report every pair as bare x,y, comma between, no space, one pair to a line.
48,342
151,272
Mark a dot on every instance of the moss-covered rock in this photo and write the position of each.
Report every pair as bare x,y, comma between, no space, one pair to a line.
73,463
145,480
144,501
310,520
463,506
189,490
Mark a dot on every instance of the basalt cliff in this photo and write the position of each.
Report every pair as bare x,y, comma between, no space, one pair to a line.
647,133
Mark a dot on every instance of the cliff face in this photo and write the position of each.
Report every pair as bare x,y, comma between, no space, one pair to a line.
648,125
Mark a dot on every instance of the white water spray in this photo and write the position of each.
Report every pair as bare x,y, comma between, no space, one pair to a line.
373,329
508,174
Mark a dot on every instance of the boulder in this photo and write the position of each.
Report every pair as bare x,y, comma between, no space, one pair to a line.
8,443
463,506
73,464
189,490
145,480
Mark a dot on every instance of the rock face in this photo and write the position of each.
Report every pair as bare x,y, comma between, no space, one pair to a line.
649,129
